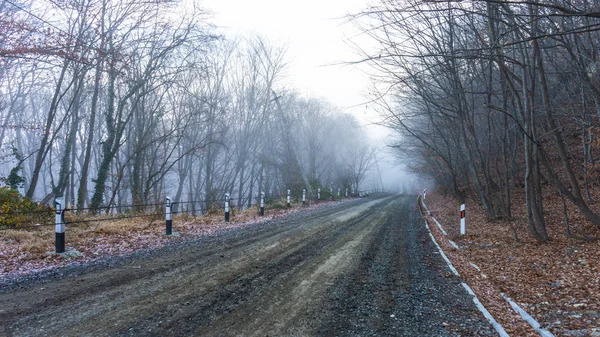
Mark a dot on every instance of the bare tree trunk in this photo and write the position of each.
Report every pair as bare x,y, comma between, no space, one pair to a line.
65,168
535,215
44,144
85,168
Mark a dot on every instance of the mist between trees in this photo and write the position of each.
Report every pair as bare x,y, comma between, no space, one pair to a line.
492,98
124,102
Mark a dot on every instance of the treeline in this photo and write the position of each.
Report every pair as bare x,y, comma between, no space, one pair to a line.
493,96
124,102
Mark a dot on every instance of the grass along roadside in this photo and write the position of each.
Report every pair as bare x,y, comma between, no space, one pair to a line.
24,251
557,283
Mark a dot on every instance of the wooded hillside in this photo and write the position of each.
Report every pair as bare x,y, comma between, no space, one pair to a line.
120,102
493,98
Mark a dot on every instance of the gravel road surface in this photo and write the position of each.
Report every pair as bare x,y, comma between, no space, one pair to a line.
360,268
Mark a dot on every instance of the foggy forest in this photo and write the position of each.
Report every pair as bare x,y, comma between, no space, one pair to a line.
306,168
493,98
126,102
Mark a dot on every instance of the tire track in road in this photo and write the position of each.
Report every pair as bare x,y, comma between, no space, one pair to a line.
207,282
298,288
360,269
401,287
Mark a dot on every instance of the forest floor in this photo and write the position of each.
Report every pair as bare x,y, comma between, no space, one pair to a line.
557,283
24,252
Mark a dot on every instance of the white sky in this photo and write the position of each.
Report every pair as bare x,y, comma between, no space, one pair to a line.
314,33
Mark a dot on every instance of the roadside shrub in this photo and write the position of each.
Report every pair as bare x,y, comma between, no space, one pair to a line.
275,204
16,210
278,205
218,210
214,210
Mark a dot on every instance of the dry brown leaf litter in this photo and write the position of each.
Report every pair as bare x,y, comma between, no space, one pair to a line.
557,283
25,251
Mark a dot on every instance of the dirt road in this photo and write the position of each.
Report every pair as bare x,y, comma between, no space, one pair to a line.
361,268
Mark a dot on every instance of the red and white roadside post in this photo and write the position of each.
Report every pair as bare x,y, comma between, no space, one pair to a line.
59,227
463,227
226,207
168,217
262,203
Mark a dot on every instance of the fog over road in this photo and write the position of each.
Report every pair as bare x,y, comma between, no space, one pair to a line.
360,268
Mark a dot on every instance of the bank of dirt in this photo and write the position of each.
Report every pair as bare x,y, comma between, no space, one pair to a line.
360,268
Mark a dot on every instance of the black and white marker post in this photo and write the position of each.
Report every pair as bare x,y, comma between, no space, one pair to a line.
303,196
318,194
338,192
262,203
346,192
463,227
226,207
59,225
168,219
289,201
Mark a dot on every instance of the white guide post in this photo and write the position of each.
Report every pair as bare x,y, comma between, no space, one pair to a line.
226,207
168,219
463,227
59,227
